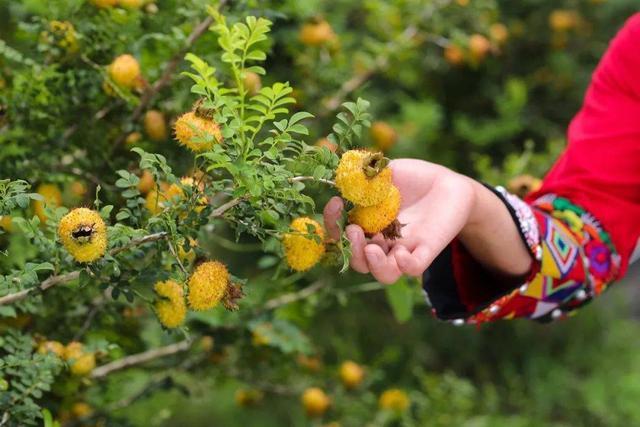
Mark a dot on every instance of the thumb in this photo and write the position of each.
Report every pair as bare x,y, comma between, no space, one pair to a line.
332,214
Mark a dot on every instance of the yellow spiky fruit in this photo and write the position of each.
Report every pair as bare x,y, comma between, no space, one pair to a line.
187,256
155,126
133,138
248,397
54,347
479,47
73,350
499,33
351,374
104,4
84,234
52,198
374,219
315,401
324,142
81,410
302,250
252,82
197,133
84,364
125,71
561,20
394,400
171,309
454,54
208,285
383,135
147,183
6,223
363,177
316,33
61,34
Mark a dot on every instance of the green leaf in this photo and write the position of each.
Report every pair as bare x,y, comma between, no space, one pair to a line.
400,298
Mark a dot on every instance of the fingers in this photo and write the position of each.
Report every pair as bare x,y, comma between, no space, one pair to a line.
416,262
358,243
382,266
332,213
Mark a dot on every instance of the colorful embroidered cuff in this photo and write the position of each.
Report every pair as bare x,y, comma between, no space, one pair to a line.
574,261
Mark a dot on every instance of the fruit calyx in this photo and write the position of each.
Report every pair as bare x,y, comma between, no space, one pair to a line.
374,163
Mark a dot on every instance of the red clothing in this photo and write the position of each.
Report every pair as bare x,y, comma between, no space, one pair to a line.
581,227
600,168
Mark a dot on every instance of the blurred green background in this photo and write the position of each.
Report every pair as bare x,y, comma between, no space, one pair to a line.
494,111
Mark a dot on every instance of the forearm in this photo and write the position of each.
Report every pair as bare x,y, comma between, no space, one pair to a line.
492,236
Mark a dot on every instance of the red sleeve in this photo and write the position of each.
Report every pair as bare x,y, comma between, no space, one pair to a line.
600,168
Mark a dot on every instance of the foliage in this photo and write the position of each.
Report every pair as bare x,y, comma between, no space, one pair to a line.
494,113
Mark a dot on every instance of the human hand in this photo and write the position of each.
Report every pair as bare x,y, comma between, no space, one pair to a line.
436,205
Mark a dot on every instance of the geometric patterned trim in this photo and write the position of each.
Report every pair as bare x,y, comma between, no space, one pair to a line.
577,263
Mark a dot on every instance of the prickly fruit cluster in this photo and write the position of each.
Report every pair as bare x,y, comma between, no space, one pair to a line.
81,362
197,133
315,401
364,178
351,374
208,285
84,234
125,71
394,400
304,245
171,309
375,219
52,197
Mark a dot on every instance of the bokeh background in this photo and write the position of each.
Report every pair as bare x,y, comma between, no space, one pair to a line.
486,87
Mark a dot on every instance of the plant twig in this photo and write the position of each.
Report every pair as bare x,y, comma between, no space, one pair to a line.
140,358
220,210
310,178
295,296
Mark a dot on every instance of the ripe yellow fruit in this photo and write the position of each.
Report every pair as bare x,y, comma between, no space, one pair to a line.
324,142
351,374
315,401
454,54
81,410
78,189
302,250
363,177
54,347
133,138
171,309
197,133
248,397
84,234
206,343
125,71
208,285
394,400
479,47
6,223
499,33
52,198
131,4
252,82
155,126
374,219
73,350
84,364
147,183
383,135
562,20
105,4
316,33
524,184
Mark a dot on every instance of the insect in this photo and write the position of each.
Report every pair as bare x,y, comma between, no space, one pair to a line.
83,233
